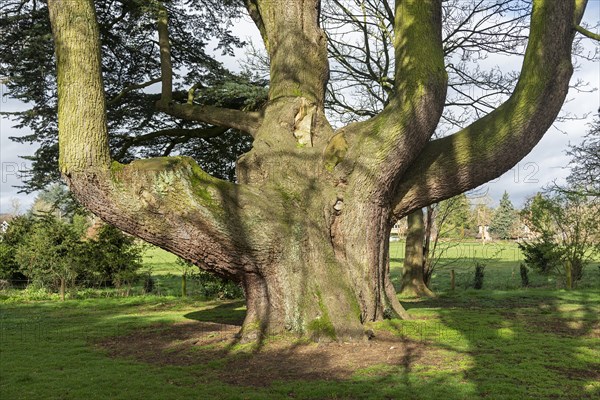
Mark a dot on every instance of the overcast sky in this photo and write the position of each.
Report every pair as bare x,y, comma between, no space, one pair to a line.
544,164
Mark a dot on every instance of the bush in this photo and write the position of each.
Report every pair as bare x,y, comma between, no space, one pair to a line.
49,254
524,276
541,255
112,258
214,287
17,232
149,284
479,272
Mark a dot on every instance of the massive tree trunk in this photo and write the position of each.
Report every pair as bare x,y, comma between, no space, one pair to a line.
305,230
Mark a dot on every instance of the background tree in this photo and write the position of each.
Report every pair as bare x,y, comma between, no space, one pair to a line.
15,234
413,281
332,193
567,226
131,71
585,164
504,218
50,254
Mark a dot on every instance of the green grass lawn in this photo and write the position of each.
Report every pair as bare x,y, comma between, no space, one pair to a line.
536,344
502,260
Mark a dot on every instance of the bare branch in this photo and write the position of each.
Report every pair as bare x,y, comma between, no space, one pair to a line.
131,88
204,133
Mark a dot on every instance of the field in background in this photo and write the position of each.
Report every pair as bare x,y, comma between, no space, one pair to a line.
501,258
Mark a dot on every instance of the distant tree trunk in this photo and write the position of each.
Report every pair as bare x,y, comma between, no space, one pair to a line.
412,274
568,275
63,285
184,285
427,266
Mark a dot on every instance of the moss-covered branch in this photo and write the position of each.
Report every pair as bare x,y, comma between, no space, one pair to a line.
244,121
386,144
492,145
587,33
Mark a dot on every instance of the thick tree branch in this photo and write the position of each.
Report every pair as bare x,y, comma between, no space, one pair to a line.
248,122
293,39
394,137
166,68
244,121
495,143
203,133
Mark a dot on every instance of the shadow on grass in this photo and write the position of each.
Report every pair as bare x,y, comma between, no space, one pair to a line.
229,313
500,345
529,345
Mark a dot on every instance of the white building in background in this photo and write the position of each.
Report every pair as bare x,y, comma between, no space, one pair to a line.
484,233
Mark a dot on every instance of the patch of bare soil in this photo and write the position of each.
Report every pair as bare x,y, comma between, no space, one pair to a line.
198,343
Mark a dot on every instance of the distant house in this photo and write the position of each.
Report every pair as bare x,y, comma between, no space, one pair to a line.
484,233
4,222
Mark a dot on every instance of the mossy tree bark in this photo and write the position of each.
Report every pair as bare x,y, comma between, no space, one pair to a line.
305,230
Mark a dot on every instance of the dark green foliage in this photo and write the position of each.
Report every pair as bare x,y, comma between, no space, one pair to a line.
524,275
113,258
479,274
214,287
130,57
148,283
50,253
541,255
18,229
46,250
504,218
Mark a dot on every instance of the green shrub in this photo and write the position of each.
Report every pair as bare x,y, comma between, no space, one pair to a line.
215,287
479,273
17,232
541,255
112,258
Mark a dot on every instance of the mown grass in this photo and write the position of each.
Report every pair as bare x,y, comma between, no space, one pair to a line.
502,260
534,344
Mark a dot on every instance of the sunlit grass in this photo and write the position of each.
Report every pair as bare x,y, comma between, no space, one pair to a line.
493,344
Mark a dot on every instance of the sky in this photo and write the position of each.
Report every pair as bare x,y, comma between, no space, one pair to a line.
546,163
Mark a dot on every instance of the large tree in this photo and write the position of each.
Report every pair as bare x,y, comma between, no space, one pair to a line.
306,228
503,221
